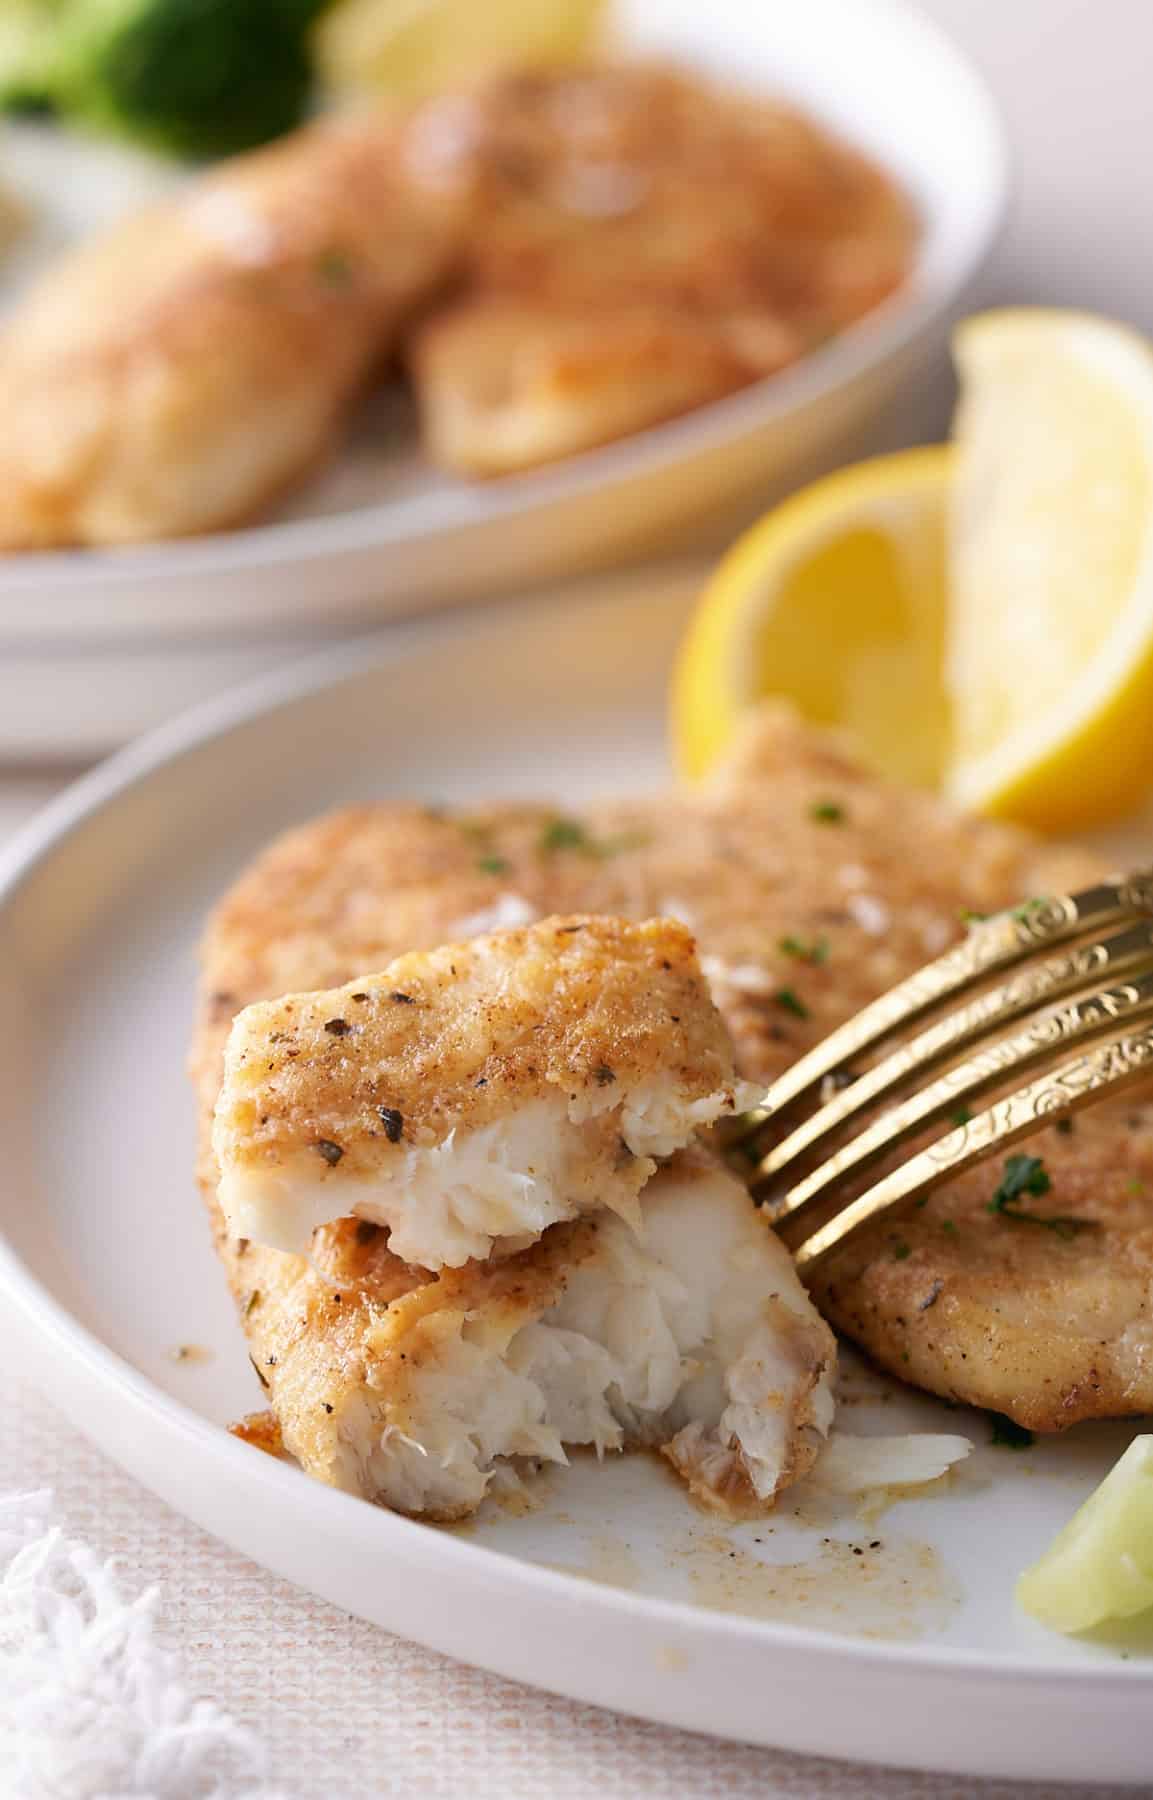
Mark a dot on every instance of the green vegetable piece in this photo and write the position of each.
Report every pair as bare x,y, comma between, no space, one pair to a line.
196,78
28,33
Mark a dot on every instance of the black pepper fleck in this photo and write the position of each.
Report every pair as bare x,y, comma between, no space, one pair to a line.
393,1123
402,999
331,1152
337,1027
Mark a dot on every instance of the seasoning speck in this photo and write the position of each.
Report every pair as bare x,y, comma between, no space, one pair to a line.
331,1152
493,865
827,812
337,1027
604,1076
393,1123
563,834
402,999
334,267
788,1001
816,952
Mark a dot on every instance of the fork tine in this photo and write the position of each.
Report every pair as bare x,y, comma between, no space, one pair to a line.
1052,1030
1127,953
995,943
1081,1082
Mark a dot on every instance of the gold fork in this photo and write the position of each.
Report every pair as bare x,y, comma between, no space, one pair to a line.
1094,995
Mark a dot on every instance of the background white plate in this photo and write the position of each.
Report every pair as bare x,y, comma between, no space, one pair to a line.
381,534
615,1591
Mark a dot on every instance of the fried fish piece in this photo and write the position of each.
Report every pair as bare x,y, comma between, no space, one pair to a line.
178,372
471,1096
617,244
638,243
691,1335
506,383
812,887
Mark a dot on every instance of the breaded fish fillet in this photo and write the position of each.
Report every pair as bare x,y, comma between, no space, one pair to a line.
176,373
692,1335
638,243
811,887
618,245
506,383
469,1097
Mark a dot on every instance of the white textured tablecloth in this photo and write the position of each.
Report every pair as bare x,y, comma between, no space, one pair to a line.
348,1712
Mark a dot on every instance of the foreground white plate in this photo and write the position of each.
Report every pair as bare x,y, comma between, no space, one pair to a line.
779,1633
380,534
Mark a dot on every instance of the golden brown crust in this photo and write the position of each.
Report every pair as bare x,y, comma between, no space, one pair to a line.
638,243
1047,1330
454,1038
175,373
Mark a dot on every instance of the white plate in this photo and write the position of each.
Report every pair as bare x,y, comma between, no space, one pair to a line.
382,535
908,1654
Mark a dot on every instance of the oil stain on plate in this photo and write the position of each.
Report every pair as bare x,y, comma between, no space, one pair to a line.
890,1588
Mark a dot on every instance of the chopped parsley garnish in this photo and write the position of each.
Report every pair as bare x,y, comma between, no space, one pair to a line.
1023,1175
335,267
493,865
1009,1434
816,953
949,1227
901,1251
569,834
563,834
1027,910
827,812
786,999
1136,1185
968,917
962,1116
1028,1175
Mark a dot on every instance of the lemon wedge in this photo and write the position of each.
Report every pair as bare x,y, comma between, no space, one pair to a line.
1050,651
1101,1565
414,47
835,600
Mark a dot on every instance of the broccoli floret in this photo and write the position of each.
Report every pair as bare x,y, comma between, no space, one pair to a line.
28,32
195,77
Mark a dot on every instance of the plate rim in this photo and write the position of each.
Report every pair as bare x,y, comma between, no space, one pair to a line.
46,1317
